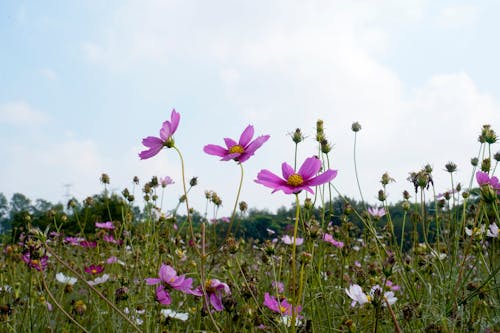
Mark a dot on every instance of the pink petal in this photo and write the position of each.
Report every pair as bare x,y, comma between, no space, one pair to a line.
175,117
246,136
286,170
230,142
323,178
310,167
215,150
269,179
166,131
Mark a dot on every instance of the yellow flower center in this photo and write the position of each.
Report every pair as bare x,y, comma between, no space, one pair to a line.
295,180
35,262
236,149
369,298
94,271
282,309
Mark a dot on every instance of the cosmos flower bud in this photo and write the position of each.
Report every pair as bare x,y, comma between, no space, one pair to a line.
406,195
135,180
428,168
320,135
497,156
104,178
451,167
193,181
297,136
325,146
386,179
381,195
406,206
356,127
474,161
486,165
243,206
465,195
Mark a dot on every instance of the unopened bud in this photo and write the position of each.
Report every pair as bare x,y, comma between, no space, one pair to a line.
356,127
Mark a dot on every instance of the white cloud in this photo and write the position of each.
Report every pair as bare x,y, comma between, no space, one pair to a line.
21,113
48,73
458,16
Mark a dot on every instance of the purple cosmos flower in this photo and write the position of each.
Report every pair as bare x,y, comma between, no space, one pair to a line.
105,225
73,240
215,290
166,181
329,238
294,182
88,244
283,307
279,286
94,269
239,151
155,144
377,213
40,264
111,239
168,278
289,240
484,179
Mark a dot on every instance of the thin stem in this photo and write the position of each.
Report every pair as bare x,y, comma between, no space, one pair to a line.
294,258
356,171
52,298
233,215
93,288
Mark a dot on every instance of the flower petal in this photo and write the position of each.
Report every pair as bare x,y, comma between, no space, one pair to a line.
246,136
286,170
323,178
166,131
269,179
230,142
215,150
175,117
310,167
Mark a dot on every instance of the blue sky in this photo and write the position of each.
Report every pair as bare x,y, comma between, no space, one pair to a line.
82,82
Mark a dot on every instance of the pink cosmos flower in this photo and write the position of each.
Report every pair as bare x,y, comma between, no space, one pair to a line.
166,181
94,269
283,307
88,244
376,212
239,151
294,182
155,144
111,239
484,179
168,278
105,225
279,286
289,240
329,238
215,290
73,240
39,264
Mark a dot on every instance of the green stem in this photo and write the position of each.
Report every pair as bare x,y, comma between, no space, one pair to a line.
233,215
129,321
52,298
356,171
294,258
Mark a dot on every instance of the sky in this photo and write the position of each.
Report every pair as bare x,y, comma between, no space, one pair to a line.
82,82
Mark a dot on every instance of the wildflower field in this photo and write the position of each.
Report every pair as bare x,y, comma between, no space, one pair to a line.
329,264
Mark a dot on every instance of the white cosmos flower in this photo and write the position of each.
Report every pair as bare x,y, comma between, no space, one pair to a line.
357,295
167,313
99,280
492,231
65,279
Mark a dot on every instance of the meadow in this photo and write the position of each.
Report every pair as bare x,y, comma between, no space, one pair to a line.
358,268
